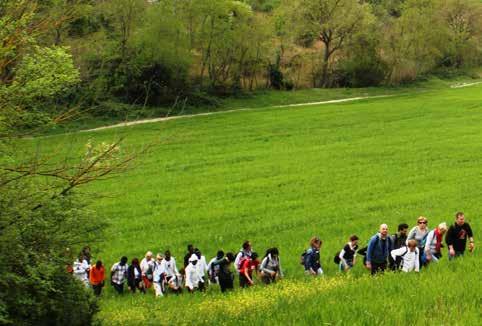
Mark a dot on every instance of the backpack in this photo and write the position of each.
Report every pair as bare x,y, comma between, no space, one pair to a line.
302,258
337,259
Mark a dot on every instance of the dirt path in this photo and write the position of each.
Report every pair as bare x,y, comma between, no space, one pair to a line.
465,84
138,122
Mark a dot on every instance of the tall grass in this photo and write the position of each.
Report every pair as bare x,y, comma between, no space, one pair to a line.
277,177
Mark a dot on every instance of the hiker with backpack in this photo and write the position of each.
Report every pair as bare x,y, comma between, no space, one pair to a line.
245,251
147,268
379,248
419,233
433,244
270,268
399,240
409,257
249,266
457,236
224,274
171,277
310,259
213,267
118,275
346,257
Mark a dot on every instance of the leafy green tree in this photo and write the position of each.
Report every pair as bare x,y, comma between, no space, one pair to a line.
332,22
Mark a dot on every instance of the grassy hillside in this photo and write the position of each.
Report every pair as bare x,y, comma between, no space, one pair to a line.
277,177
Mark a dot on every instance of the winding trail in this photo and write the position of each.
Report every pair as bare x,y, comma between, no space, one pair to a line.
138,122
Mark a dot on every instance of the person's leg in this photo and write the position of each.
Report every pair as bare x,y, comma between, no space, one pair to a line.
97,289
158,289
119,288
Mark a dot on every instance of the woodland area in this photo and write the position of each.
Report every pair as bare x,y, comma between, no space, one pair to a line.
59,57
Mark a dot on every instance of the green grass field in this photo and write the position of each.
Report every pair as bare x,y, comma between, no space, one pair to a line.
279,176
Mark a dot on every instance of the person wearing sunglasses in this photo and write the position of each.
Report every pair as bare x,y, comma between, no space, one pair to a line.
419,233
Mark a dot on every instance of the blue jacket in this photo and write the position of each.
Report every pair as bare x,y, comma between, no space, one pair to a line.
312,259
376,252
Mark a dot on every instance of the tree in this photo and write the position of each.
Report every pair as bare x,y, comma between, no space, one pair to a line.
333,22
462,19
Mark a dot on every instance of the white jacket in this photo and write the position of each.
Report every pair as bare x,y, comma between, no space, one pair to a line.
202,266
192,276
169,267
410,260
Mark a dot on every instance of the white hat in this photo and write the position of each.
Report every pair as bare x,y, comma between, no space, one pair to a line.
193,258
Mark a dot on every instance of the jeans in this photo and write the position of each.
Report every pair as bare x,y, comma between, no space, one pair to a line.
118,287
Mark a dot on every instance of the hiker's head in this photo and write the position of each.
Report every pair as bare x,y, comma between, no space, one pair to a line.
412,244
384,230
167,255
135,262
315,242
149,255
123,261
442,227
254,256
460,218
274,252
354,239
193,259
159,257
197,252
247,245
190,248
220,254
230,256
403,229
422,222
98,264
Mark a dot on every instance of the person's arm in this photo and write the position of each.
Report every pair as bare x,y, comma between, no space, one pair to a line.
371,246
246,272
237,259
428,243
449,239
417,260
471,238
398,252
264,264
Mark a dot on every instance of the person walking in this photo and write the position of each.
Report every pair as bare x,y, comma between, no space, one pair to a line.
311,258
190,251
147,269
457,236
419,233
347,255
213,267
399,240
134,277
81,270
249,266
171,274
379,248
245,251
409,256
202,268
433,244
270,267
118,275
225,276
158,276
192,274
97,277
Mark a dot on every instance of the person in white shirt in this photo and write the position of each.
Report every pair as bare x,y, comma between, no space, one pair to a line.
202,268
170,273
81,270
246,251
433,244
192,275
409,256
157,276
147,268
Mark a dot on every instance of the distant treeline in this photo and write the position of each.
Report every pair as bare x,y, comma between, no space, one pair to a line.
159,52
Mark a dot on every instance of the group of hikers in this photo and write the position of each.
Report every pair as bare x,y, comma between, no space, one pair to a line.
405,251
